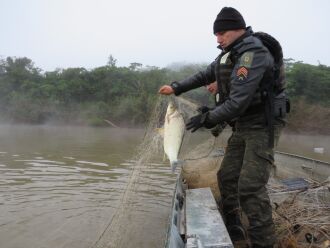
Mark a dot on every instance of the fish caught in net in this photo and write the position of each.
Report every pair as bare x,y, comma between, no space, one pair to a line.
301,216
150,151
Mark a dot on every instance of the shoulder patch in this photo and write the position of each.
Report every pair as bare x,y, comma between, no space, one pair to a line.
246,59
242,73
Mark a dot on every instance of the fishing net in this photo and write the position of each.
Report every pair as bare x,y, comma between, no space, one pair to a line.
301,217
150,152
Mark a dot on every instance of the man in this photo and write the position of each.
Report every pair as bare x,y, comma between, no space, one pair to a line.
242,70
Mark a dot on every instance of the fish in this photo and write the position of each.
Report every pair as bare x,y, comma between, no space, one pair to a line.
174,129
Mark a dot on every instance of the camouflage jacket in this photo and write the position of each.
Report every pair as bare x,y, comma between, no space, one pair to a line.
247,60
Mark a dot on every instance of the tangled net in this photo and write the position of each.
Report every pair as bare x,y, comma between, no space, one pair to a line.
149,151
301,217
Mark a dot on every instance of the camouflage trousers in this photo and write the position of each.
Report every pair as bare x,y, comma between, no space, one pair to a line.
242,180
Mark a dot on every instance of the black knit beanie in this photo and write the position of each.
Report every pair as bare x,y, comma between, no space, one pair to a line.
228,19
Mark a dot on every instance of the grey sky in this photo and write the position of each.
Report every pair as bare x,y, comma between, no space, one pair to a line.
83,33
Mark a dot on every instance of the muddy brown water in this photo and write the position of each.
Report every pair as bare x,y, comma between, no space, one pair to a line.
60,186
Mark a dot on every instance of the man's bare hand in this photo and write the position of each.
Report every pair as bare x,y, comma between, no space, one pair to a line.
166,90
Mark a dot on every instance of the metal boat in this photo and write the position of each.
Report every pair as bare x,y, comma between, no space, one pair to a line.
195,220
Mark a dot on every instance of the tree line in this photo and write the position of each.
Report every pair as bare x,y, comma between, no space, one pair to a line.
124,95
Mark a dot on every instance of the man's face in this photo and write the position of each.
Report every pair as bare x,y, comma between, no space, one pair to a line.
225,38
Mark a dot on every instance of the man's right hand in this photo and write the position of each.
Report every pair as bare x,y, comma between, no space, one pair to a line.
166,90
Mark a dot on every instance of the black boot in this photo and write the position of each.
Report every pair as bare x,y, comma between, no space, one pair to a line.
235,228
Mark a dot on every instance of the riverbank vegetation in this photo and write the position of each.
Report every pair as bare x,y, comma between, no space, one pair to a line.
126,95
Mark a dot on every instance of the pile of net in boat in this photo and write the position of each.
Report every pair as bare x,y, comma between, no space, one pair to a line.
301,217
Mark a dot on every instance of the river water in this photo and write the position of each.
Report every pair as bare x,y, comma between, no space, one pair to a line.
61,186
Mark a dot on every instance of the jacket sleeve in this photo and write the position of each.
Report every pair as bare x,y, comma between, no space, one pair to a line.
197,80
245,80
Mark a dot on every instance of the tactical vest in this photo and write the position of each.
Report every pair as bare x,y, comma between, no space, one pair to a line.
223,70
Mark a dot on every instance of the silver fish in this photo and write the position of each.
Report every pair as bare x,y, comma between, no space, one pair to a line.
174,129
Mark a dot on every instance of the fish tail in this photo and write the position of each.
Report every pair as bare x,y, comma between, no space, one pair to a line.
175,164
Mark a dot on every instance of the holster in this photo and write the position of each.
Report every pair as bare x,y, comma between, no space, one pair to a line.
281,105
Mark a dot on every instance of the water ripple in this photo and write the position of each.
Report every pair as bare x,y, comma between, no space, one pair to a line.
65,187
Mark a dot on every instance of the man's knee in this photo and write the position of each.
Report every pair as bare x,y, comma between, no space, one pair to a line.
249,186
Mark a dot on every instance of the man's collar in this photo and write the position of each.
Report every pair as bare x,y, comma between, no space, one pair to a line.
248,32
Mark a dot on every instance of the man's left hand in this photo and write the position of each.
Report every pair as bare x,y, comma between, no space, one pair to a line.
198,121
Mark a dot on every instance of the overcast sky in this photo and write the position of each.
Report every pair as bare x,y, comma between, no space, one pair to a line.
83,33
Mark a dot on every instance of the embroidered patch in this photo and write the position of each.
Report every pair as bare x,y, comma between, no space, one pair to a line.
246,59
242,73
